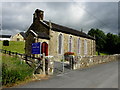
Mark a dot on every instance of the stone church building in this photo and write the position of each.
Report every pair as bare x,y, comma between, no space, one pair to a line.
57,39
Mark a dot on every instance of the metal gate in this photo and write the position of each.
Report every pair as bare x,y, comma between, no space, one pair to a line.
62,66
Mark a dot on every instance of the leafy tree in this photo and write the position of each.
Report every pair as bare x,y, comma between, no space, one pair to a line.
5,43
100,38
109,43
112,43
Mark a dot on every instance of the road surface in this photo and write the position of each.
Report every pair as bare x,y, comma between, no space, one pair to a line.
99,76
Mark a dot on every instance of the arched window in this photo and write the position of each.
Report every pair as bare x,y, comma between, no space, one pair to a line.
85,47
60,44
78,48
70,44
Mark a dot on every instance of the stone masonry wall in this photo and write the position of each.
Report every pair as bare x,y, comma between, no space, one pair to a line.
87,61
53,44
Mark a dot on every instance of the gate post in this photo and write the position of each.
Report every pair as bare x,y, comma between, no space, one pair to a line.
50,65
63,63
44,63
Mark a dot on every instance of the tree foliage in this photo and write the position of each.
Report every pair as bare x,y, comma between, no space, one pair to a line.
109,42
99,37
112,43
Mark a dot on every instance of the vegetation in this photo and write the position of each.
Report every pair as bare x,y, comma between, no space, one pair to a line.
14,46
102,53
105,42
69,53
13,71
5,43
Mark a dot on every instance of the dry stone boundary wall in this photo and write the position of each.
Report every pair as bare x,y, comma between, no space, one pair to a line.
87,61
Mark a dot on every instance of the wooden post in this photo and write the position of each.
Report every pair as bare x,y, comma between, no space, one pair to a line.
9,52
21,59
13,53
63,63
16,53
48,66
70,63
25,57
5,51
0,50
43,63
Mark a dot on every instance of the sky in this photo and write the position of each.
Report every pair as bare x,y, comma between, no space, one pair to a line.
18,16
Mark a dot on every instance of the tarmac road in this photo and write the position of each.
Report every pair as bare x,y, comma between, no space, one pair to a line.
99,76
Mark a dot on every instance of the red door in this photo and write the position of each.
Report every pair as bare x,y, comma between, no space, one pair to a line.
44,48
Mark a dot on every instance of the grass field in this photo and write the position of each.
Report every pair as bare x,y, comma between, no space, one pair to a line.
14,46
13,70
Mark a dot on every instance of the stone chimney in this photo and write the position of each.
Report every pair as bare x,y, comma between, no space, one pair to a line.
50,25
38,15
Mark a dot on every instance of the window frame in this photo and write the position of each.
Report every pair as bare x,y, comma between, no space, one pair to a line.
85,47
60,50
79,46
70,41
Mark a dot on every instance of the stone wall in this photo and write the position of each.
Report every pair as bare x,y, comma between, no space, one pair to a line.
53,44
28,44
87,61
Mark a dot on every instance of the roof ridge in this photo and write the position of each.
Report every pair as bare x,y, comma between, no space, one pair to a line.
62,28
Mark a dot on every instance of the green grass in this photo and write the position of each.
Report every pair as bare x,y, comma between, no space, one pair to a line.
13,71
102,53
14,46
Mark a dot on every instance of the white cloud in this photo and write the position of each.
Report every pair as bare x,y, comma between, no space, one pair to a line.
76,13
18,16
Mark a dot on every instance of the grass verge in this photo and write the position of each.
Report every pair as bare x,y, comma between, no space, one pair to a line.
13,71
102,53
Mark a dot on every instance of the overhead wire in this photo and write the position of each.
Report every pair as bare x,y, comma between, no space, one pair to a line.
91,14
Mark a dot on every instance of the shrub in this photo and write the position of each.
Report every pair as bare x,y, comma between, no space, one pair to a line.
69,53
67,57
13,70
5,43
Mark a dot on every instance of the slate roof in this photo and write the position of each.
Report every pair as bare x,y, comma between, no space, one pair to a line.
64,29
5,36
23,34
43,35
40,35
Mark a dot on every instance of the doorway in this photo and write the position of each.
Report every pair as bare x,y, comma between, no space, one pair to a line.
44,48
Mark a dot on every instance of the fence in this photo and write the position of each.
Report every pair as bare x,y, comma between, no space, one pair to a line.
42,65
45,64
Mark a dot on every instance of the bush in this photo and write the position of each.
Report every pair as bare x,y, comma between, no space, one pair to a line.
69,53
9,76
5,43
